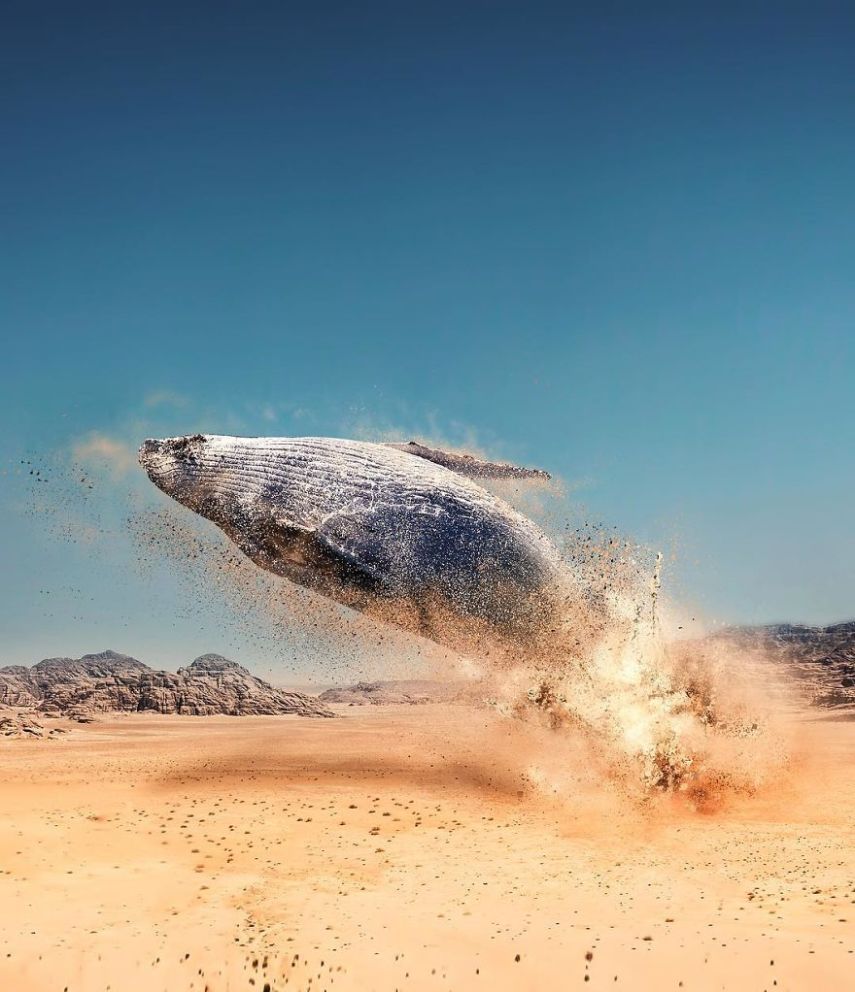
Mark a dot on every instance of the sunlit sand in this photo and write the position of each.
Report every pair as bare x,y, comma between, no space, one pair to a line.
426,847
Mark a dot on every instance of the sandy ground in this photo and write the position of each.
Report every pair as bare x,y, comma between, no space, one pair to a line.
407,849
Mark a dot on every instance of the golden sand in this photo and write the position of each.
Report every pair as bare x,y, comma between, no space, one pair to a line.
410,848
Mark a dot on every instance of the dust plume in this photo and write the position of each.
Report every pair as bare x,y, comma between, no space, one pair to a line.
656,715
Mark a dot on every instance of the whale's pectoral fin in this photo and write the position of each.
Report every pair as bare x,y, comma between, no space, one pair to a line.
325,555
469,465
350,538
307,556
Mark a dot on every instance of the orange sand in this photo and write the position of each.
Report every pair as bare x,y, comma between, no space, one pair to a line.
406,848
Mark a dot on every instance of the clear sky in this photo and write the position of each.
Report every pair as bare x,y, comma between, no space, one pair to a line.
615,240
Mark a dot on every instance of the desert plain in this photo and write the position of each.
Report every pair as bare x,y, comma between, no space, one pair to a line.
436,847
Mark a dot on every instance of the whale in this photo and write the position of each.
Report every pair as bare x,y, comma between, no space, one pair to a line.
401,532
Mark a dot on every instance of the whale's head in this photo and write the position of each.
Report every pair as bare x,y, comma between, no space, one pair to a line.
231,481
180,466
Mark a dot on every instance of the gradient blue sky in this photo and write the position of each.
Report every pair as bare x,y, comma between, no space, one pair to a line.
613,241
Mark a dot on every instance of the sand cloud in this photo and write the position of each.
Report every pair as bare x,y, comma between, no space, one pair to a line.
98,449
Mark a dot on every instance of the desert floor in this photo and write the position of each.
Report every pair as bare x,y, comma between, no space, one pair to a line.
406,848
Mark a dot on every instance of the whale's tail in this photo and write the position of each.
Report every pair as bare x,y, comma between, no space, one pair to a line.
469,465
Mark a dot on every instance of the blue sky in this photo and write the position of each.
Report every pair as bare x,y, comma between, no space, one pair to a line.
615,243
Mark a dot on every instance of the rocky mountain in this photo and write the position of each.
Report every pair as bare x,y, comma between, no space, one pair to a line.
110,682
821,660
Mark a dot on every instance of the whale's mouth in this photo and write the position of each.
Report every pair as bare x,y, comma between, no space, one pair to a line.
150,447
149,452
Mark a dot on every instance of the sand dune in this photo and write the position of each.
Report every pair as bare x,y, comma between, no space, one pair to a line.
385,851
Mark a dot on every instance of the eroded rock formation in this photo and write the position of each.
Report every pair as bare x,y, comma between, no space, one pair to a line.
111,682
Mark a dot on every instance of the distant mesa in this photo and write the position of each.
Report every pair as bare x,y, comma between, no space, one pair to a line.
821,660
82,688
404,692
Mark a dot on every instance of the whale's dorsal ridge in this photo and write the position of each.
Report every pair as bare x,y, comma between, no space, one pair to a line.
469,465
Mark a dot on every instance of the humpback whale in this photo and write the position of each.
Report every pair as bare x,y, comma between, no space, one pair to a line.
400,532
